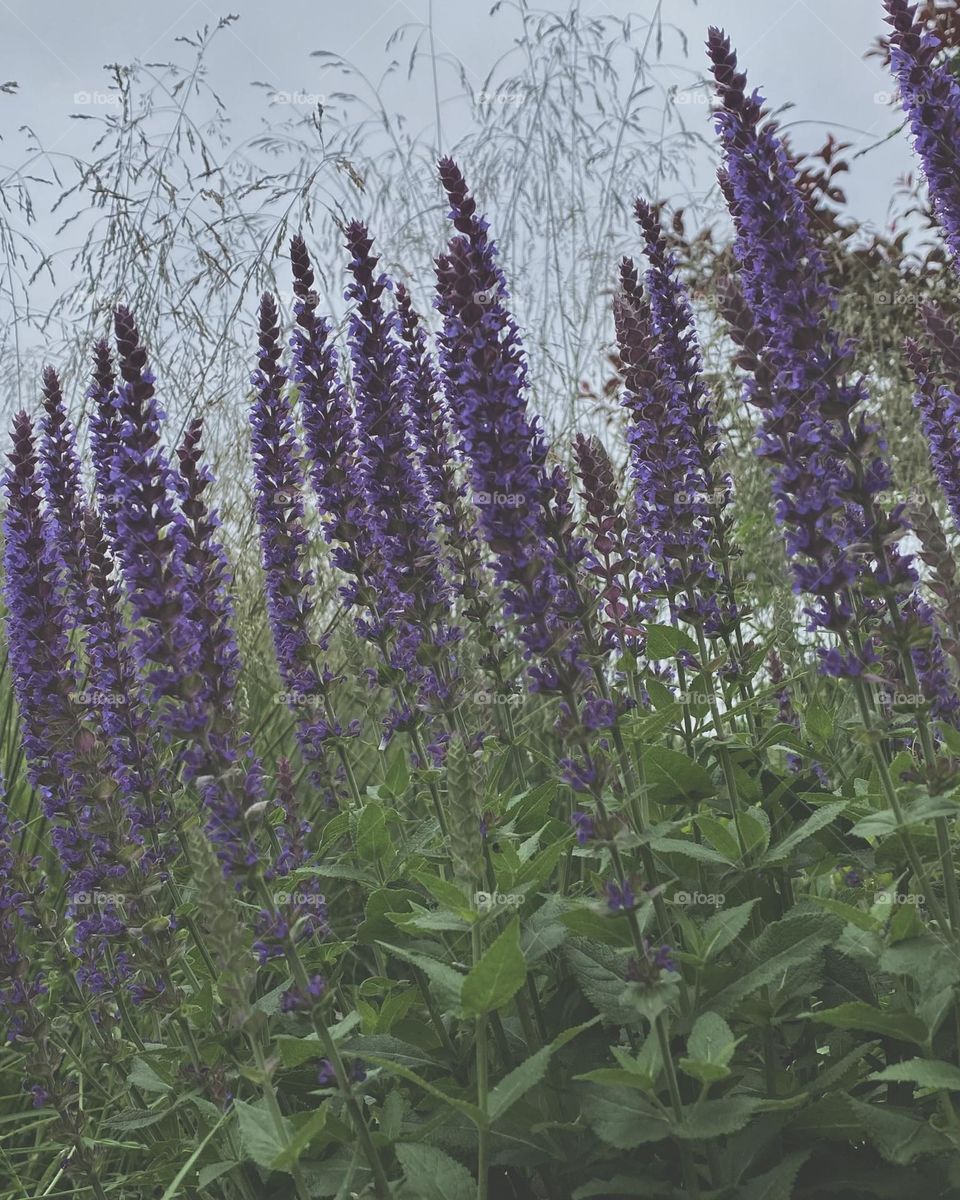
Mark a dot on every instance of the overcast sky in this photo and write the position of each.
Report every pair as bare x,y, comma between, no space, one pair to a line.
809,52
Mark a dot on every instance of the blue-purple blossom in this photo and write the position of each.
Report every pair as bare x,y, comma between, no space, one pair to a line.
826,458
60,468
328,427
281,518
610,558
930,96
583,826
939,405
524,508
21,984
299,910
620,895
104,427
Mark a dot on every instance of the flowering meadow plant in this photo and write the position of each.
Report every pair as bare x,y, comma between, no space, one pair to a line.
529,860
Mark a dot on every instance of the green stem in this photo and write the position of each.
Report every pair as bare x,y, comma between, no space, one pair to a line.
483,1138
890,793
279,1124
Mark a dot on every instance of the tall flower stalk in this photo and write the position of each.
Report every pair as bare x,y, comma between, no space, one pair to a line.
826,457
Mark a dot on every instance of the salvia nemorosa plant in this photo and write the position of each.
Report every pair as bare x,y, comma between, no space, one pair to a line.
689,909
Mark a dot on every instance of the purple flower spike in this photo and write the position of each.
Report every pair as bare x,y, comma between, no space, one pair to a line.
283,544
939,404
60,468
104,425
826,458
930,96
401,532
329,431
521,504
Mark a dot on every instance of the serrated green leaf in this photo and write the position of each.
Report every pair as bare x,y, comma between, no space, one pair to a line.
498,976
857,1015
258,1138
925,1072
431,1174
521,1079
664,641
776,1184
725,927
823,817
447,981
623,1118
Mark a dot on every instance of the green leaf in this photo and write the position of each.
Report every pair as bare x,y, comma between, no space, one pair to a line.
297,1050
616,1077
755,825
301,1139
716,1118
663,641
850,914
694,850
206,1175
397,779
624,1118
600,972
621,1185
823,817
498,976
673,778
771,970
447,982
597,926
145,1077
544,930
374,842
720,835
521,1079
778,1183
258,1138
818,722
857,1015
724,927
899,1137
925,1072
173,1188
395,1068
433,1175
710,1047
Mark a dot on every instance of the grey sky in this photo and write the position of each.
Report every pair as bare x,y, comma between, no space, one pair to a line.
806,51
